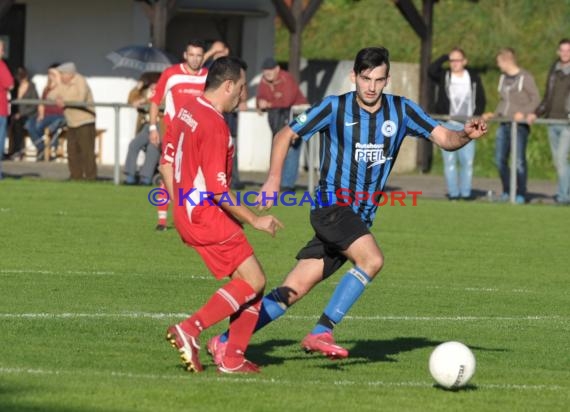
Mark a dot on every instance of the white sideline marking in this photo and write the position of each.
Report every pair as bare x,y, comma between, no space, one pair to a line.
51,272
206,277
270,381
95,273
480,289
173,315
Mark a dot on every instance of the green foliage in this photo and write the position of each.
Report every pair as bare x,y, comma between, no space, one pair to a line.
88,289
532,28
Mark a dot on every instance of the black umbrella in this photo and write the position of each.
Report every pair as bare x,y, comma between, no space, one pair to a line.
141,58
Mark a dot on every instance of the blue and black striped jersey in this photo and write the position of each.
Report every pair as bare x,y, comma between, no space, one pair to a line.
358,148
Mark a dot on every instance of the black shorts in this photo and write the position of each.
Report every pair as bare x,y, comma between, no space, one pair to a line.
336,227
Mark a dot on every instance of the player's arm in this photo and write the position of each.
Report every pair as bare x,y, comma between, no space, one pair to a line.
451,140
281,143
268,223
154,137
157,94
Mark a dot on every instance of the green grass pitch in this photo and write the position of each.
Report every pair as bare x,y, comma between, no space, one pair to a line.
87,290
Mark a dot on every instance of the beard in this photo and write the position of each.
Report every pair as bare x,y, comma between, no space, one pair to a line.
368,101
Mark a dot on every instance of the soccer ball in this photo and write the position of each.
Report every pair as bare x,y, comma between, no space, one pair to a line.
452,364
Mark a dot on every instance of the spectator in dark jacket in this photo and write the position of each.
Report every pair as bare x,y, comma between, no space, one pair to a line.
556,105
460,95
26,90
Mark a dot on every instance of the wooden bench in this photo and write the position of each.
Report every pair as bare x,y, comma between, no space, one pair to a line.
61,150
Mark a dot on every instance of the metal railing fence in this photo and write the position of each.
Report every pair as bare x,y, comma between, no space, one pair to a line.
312,142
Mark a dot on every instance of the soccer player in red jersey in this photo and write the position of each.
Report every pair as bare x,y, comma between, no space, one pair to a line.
175,86
207,216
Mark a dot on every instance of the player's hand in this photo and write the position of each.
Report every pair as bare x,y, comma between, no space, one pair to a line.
475,128
271,189
269,224
154,137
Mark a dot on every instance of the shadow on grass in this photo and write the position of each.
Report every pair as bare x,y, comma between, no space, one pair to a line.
368,351
9,401
18,176
467,388
260,352
360,351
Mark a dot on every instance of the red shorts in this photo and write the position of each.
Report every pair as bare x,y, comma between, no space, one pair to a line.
224,258
218,239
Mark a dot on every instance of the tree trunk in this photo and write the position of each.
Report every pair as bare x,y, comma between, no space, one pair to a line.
425,147
159,22
295,39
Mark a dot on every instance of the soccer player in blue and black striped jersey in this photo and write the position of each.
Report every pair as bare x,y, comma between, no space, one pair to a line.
360,135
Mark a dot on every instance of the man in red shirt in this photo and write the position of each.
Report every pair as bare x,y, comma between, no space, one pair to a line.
277,93
175,86
207,216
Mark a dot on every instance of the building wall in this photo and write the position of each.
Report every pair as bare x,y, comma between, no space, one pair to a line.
258,37
85,31
81,31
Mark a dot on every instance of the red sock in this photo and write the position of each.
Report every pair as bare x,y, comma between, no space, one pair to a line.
162,209
226,301
242,325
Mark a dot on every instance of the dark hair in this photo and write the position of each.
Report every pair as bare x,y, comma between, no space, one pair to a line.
148,78
564,41
22,73
54,66
224,68
371,57
507,51
458,50
196,43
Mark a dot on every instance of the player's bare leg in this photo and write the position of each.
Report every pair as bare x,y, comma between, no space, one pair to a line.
167,174
302,278
365,253
368,260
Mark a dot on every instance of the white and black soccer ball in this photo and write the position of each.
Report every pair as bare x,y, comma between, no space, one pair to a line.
452,364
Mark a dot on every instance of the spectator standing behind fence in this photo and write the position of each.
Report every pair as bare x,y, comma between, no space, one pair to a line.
48,116
6,83
80,122
139,97
556,105
277,93
459,93
21,113
518,98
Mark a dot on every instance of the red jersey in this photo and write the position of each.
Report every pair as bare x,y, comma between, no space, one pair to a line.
6,83
202,167
175,85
